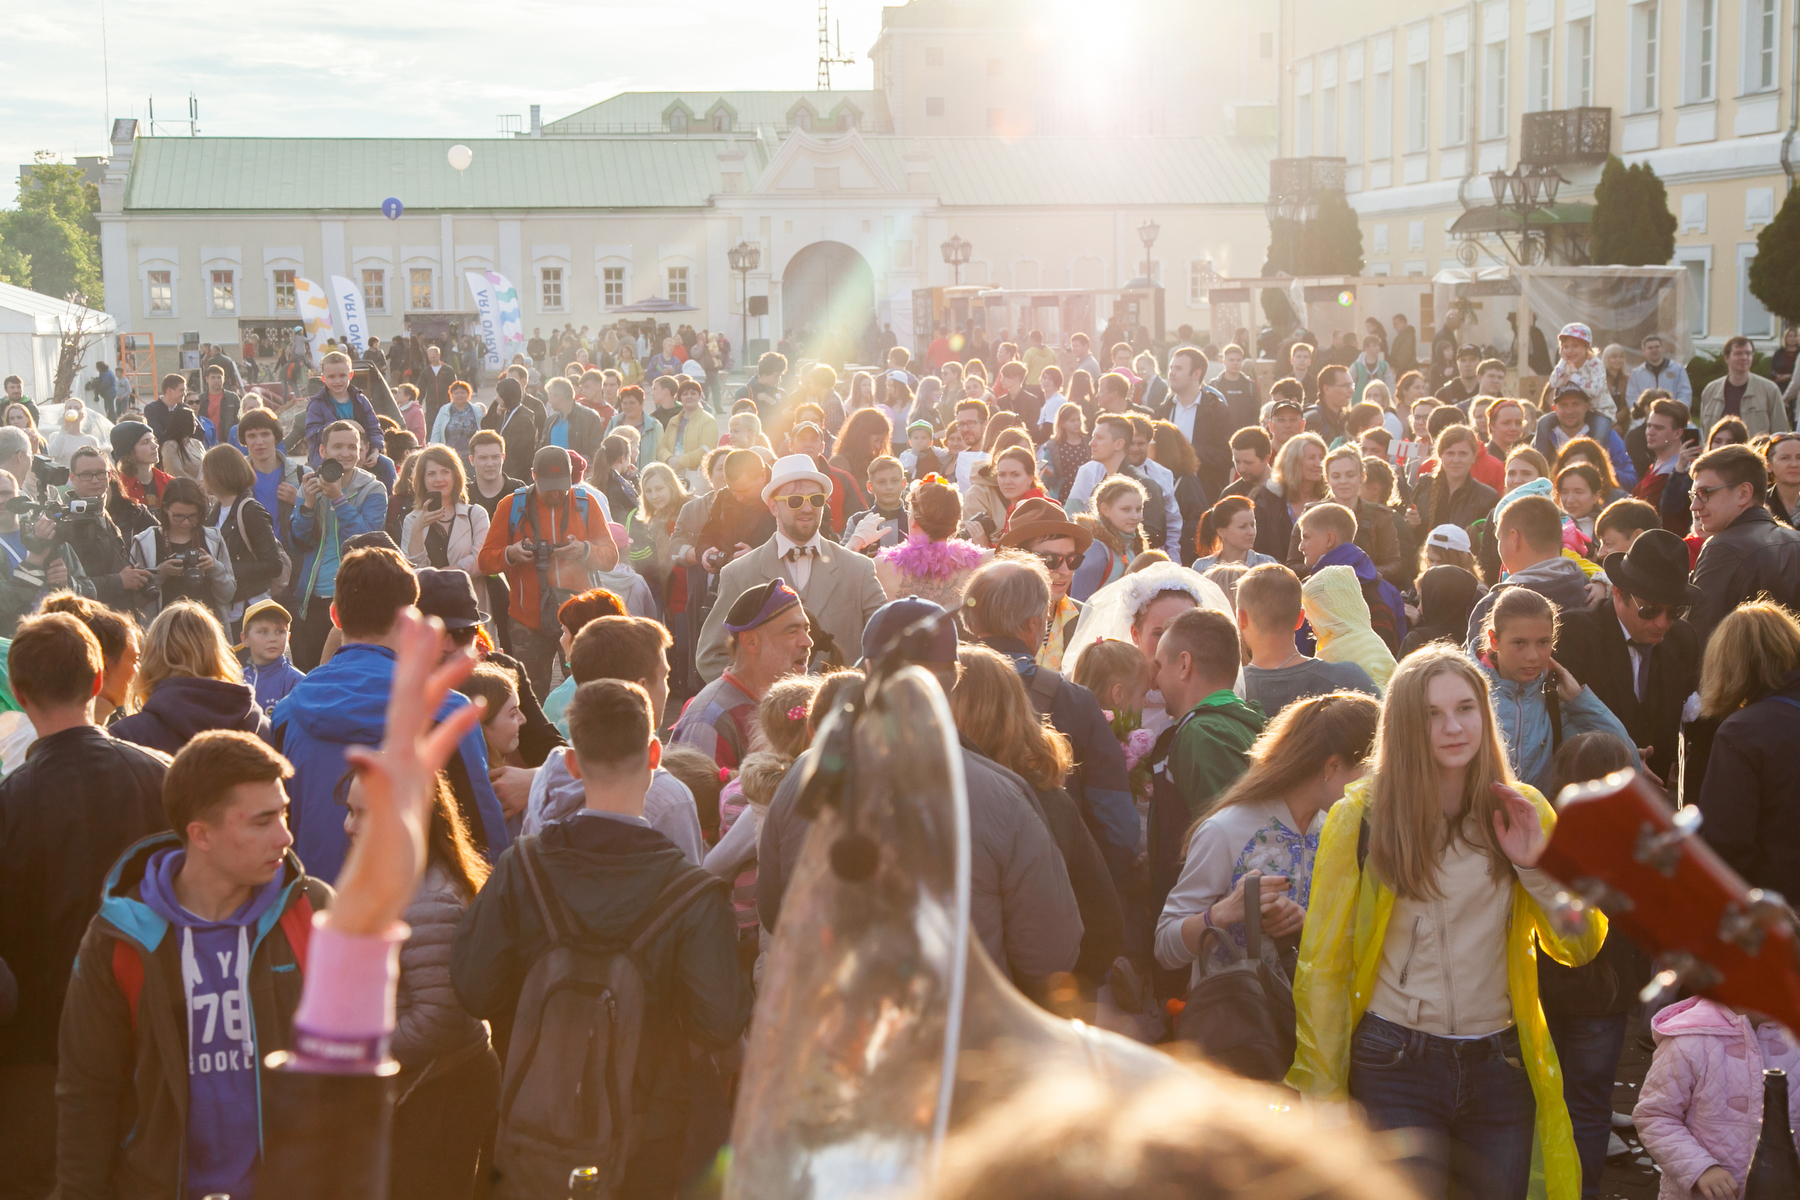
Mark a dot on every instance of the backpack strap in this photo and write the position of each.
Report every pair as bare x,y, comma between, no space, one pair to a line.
1042,688
697,885
128,971
516,514
556,916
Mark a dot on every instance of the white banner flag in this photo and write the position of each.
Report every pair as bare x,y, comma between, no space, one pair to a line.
352,317
315,315
487,308
512,316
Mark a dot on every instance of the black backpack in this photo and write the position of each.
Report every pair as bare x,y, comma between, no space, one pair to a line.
1241,1015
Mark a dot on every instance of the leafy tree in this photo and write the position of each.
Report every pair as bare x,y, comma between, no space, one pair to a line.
1632,225
51,242
1329,244
1773,279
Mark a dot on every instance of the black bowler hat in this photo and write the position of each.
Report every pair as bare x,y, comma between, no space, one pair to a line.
1654,570
449,595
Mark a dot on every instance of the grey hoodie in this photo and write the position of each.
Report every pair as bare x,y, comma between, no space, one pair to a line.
1558,580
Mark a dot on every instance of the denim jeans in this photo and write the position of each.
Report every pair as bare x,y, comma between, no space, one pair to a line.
1471,1098
1589,1048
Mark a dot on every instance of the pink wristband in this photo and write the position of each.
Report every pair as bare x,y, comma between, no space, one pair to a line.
346,1013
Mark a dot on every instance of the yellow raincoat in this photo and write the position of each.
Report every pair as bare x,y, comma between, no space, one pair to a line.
1340,951
1339,614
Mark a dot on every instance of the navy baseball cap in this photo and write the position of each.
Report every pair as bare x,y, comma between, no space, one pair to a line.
895,617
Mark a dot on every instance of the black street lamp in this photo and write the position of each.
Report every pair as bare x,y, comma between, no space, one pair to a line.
956,253
1523,191
1147,233
744,259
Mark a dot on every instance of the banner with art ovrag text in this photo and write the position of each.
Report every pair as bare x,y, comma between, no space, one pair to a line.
352,317
314,306
486,309
512,316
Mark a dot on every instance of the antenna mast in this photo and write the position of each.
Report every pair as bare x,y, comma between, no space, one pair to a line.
827,58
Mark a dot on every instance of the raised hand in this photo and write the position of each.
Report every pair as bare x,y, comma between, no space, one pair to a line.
1520,831
384,866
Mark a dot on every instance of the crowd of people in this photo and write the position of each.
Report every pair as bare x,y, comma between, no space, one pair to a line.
1323,649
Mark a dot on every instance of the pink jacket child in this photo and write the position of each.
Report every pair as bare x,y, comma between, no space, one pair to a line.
1701,1105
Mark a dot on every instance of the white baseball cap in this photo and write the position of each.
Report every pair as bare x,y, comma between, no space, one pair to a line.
1449,537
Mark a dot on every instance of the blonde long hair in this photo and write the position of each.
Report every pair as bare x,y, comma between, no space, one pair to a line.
184,642
1407,828
678,495
1289,472
1749,655
992,710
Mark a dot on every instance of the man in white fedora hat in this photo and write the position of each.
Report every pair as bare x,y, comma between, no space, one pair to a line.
836,585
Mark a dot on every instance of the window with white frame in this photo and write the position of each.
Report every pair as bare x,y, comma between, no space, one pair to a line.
1381,133
418,280
550,289
1418,107
1579,91
612,286
286,301
224,291
678,285
1353,121
1303,108
1493,74
1197,282
374,289
1698,261
1456,98
1537,72
162,292
1642,67
1700,52
1762,51
1753,319
1328,121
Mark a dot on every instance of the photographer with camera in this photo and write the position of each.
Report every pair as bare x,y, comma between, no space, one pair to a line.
35,565
83,520
337,502
546,539
188,558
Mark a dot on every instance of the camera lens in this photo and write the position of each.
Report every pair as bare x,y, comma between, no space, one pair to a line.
331,470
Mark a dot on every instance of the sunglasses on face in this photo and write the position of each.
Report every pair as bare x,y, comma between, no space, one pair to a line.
1056,562
1653,612
816,499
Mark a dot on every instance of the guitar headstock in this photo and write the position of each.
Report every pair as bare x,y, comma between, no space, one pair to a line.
1620,846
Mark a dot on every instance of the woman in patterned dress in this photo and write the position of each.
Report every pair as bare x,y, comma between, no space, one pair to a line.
1269,821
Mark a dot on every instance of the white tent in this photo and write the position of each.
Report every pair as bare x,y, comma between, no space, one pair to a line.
31,329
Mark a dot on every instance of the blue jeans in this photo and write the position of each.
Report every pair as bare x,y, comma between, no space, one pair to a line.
1470,1097
1589,1048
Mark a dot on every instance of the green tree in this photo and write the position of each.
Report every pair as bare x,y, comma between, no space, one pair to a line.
1773,279
1632,225
1329,244
51,242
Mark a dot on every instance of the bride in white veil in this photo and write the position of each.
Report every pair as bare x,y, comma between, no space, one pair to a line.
1117,611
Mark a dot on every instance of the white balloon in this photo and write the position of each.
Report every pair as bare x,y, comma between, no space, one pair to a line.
461,156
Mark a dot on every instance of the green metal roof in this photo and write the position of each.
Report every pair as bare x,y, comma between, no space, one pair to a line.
643,112
234,174
351,174
1490,219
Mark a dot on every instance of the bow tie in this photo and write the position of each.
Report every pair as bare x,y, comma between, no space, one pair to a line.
800,552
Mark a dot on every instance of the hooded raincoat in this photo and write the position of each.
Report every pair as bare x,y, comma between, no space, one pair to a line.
1340,952
1334,604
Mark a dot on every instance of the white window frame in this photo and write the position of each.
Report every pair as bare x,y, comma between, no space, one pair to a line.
384,282
1303,109
1747,304
1686,256
1456,98
1578,50
1494,75
682,282
553,276
1328,122
1378,238
1418,107
434,293
1197,288
1700,52
612,258
1353,121
213,307
157,275
1643,59
277,283
1760,67
1540,67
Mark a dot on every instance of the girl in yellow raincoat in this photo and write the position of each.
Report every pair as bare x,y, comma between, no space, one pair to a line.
1416,990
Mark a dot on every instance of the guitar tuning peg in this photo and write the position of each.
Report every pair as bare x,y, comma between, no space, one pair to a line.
1679,969
1607,899
1663,850
1568,913
1745,925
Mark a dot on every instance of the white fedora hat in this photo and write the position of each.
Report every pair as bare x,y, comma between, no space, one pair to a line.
794,468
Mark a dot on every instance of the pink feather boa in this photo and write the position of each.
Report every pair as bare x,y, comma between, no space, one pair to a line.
923,558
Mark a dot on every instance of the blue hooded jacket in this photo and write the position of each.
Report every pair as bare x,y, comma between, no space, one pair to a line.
344,703
272,681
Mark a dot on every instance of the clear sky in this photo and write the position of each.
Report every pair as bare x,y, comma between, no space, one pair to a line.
369,68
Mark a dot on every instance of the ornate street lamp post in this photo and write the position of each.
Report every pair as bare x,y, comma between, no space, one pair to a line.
744,259
956,253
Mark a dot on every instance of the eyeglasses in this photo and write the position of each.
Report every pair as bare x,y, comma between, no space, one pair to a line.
1654,612
816,499
188,518
1056,562
1705,494
90,476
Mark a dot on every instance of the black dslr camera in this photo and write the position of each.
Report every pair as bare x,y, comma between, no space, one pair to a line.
543,551
48,472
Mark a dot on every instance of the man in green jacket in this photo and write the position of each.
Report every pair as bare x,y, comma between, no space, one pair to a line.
1202,754
616,874
187,978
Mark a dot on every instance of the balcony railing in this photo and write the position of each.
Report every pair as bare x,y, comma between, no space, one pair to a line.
1297,184
1566,135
